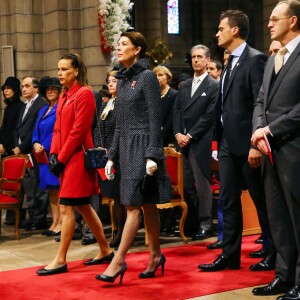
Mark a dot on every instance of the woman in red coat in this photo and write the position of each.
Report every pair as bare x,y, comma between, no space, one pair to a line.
72,133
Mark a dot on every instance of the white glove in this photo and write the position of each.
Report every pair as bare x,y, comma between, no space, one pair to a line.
108,170
151,166
214,155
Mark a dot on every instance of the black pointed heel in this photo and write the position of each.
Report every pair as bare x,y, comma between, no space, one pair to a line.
111,279
151,274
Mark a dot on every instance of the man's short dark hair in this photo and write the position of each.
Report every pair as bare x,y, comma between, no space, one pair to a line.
35,81
218,64
239,19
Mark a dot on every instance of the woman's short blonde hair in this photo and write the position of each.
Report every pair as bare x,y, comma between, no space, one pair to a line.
112,73
164,70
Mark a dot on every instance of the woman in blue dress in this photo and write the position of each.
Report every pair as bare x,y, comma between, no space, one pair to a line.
49,88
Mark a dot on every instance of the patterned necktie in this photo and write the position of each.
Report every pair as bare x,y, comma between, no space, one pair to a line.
278,60
228,73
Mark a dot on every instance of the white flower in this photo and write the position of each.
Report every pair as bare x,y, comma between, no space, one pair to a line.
113,20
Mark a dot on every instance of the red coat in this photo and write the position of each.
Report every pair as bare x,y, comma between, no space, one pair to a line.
72,130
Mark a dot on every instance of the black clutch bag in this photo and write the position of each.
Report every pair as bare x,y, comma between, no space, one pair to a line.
95,158
149,185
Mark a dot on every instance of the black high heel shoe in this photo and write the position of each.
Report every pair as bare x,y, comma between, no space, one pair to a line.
151,274
116,241
112,279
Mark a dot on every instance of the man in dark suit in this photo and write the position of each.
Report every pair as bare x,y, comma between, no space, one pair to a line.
37,200
239,163
193,120
276,118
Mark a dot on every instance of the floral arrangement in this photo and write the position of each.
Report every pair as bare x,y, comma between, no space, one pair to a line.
113,20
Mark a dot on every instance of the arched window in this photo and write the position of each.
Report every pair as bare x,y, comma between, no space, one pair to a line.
173,17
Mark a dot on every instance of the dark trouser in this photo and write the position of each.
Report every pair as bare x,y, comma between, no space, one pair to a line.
220,220
37,199
190,195
235,175
284,217
204,193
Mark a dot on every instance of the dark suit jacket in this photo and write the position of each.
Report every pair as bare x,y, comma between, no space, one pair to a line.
166,114
279,108
237,105
196,116
25,127
9,123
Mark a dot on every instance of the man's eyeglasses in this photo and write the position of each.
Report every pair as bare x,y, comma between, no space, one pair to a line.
275,20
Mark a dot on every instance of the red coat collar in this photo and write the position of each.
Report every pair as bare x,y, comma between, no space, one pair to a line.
73,90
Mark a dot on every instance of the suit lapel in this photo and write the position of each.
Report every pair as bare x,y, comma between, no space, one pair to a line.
235,69
187,93
283,71
268,77
202,87
32,108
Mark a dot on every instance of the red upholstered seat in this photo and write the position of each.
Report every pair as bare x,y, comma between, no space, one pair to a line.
6,199
171,166
12,174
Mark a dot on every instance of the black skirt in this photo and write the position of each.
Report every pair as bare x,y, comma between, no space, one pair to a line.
75,201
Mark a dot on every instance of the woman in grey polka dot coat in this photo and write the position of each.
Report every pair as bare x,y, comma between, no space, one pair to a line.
138,145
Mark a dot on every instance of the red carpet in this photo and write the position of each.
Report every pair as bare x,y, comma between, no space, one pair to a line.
182,279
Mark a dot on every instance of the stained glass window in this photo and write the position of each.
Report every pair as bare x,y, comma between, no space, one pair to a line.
173,16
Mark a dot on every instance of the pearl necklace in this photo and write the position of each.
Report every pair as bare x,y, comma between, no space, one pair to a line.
164,94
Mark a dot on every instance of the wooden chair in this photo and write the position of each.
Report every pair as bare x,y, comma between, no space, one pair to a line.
111,203
12,173
174,166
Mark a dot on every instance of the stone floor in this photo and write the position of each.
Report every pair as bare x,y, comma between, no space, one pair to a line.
34,249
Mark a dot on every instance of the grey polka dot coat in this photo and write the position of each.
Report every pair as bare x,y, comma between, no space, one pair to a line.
137,135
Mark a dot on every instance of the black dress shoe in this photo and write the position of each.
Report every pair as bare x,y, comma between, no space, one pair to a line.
220,263
115,242
266,264
112,279
46,232
262,253
259,240
76,236
36,226
9,222
151,274
277,286
104,260
88,240
293,294
53,233
216,245
202,234
50,233
23,224
44,272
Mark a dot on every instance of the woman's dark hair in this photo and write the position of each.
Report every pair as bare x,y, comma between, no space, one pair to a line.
239,19
138,40
105,93
14,84
16,97
78,64
46,82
